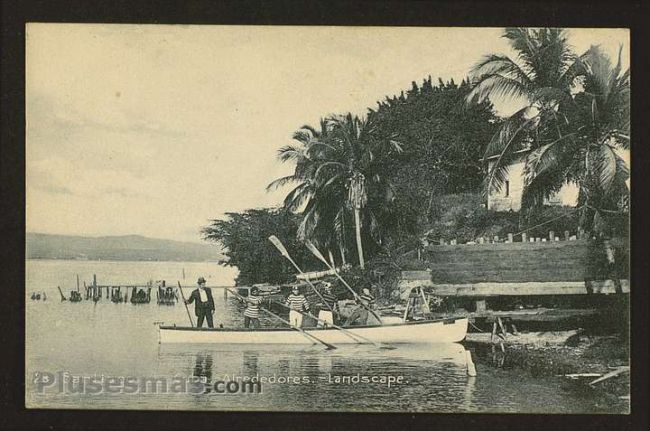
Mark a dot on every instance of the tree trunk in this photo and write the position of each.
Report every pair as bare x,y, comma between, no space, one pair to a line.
357,223
342,251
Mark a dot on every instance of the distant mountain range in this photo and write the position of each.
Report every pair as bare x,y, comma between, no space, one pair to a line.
127,247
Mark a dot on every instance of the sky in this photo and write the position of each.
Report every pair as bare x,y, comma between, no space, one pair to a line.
157,129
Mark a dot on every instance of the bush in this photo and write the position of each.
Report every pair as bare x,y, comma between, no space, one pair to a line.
464,217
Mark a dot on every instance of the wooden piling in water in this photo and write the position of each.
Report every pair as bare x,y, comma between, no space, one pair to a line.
551,235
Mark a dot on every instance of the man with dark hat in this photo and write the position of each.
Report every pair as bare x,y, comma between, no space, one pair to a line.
203,303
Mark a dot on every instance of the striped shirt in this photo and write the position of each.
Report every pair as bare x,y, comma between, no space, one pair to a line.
297,302
253,307
367,300
330,300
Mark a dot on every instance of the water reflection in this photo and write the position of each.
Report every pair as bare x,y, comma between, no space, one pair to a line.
250,360
203,367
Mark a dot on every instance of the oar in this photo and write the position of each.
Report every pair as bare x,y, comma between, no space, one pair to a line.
276,242
309,336
186,307
318,254
356,337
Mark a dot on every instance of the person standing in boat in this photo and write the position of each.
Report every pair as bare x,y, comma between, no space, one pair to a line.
360,316
203,303
297,304
325,314
252,312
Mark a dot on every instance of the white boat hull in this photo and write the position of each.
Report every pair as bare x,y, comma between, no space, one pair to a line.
439,331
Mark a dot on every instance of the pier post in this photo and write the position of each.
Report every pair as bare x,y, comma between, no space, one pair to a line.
551,235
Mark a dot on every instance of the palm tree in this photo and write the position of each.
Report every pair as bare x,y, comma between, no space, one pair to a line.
576,111
540,78
334,168
598,127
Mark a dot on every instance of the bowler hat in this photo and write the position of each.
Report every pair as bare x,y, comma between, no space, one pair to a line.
201,280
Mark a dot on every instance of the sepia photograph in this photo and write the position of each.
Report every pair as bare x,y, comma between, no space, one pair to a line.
327,218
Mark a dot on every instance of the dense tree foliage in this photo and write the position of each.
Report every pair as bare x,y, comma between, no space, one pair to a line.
244,237
444,141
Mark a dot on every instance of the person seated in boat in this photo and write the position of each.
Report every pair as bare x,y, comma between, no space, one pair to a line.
203,303
252,311
325,314
366,301
297,303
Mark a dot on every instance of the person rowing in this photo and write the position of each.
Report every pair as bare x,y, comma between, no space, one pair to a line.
297,303
252,312
325,314
360,315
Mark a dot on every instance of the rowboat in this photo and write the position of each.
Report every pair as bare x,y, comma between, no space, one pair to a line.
450,330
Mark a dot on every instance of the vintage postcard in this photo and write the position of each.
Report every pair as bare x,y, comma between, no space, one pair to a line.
348,219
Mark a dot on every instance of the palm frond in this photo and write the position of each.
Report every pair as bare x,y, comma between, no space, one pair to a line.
497,86
281,182
290,153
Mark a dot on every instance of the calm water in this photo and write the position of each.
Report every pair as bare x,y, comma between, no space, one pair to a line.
87,340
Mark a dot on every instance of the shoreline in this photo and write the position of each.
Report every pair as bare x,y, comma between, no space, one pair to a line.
578,359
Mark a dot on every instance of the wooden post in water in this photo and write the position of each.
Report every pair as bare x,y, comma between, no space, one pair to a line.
77,282
551,235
